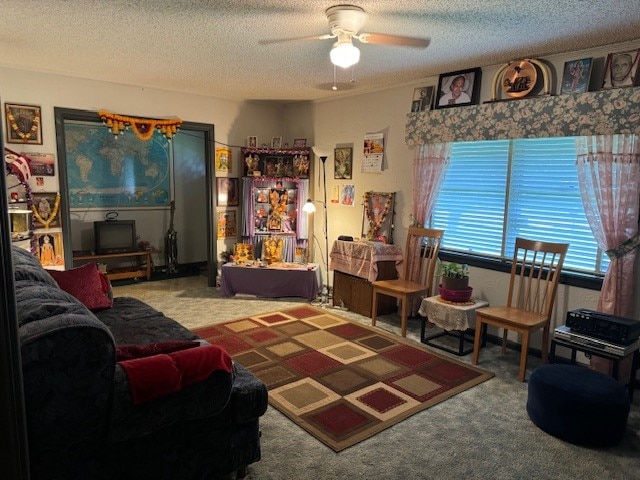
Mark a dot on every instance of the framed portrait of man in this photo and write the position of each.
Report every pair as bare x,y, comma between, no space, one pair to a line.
621,69
459,88
422,99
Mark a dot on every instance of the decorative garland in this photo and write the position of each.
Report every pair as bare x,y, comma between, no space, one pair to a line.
142,127
374,227
52,217
14,125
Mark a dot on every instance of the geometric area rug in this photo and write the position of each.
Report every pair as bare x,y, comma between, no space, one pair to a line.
341,381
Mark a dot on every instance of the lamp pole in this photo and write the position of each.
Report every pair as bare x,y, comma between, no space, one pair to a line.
323,159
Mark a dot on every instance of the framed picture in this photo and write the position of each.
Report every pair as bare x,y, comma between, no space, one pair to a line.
422,99
252,142
575,78
223,160
276,142
41,163
300,143
343,163
227,223
23,123
227,189
45,207
459,88
621,69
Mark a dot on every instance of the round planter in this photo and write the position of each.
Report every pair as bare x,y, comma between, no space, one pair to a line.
450,283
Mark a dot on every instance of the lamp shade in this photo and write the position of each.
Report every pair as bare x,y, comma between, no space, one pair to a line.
309,207
344,54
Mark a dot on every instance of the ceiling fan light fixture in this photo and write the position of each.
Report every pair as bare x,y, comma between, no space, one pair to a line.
344,54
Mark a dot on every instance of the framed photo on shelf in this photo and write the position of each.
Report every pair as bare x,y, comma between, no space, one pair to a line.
276,142
343,163
227,188
456,89
300,143
422,99
576,75
252,142
227,223
23,123
621,69
223,160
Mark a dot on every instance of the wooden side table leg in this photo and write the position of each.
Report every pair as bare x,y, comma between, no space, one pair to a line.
476,341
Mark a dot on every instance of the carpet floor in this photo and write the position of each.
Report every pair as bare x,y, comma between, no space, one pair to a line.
481,433
341,381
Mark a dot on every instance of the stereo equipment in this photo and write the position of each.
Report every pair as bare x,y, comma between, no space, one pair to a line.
602,325
564,333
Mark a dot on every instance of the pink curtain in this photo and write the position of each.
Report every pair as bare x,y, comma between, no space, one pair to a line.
609,176
429,168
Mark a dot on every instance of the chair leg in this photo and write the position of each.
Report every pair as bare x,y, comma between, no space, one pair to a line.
504,341
476,341
374,307
403,324
523,355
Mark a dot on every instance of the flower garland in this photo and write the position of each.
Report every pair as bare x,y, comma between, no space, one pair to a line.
25,136
374,226
51,217
142,127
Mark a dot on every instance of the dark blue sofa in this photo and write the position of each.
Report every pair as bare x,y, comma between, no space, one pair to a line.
81,420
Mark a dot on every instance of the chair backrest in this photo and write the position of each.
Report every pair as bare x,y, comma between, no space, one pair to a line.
534,275
421,255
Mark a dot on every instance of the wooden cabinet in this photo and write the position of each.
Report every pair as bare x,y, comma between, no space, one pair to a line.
356,293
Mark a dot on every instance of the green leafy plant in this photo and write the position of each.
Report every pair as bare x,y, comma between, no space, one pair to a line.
453,270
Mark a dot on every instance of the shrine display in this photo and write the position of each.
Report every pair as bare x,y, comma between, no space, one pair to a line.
272,162
276,208
377,219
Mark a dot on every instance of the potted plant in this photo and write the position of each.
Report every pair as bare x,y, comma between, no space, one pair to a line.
455,276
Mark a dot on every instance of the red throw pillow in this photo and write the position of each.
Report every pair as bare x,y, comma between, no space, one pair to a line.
84,283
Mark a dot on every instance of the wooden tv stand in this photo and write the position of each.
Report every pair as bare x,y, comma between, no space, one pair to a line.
127,272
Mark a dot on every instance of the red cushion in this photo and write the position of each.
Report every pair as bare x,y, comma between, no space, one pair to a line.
85,284
129,352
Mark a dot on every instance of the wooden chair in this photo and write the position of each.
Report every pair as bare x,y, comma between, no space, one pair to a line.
406,290
532,290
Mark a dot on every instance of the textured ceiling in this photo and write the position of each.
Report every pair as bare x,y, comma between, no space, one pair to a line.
211,47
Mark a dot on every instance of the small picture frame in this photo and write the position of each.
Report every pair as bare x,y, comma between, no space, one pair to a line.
422,99
46,209
24,123
276,142
227,189
223,160
460,88
252,142
575,78
343,163
299,143
227,223
621,69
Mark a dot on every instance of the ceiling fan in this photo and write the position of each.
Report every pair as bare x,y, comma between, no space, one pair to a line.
345,22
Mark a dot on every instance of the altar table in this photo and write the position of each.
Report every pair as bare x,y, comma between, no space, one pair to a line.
277,280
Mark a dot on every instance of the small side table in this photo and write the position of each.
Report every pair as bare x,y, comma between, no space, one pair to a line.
594,350
454,318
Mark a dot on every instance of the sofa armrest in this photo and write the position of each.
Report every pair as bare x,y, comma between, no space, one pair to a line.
194,402
68,362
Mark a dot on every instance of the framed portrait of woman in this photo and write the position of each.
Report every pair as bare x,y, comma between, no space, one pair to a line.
456,89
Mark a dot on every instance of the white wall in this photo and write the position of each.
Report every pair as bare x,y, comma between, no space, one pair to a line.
348,119
233,121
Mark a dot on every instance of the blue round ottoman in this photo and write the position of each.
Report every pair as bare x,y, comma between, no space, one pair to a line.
578,405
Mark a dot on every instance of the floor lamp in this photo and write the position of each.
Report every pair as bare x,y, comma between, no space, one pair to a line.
309,207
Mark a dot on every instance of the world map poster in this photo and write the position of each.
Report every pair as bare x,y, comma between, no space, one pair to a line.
108,172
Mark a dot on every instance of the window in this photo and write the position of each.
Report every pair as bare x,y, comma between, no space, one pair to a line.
495,191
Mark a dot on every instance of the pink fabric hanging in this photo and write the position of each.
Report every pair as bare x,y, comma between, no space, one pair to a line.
609,177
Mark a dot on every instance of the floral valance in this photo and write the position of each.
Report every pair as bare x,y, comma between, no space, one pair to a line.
591,113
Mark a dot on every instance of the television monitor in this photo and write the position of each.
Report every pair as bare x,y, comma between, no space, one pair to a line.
115,236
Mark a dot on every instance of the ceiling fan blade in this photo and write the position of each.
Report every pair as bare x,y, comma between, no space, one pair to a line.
385,39
295,39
